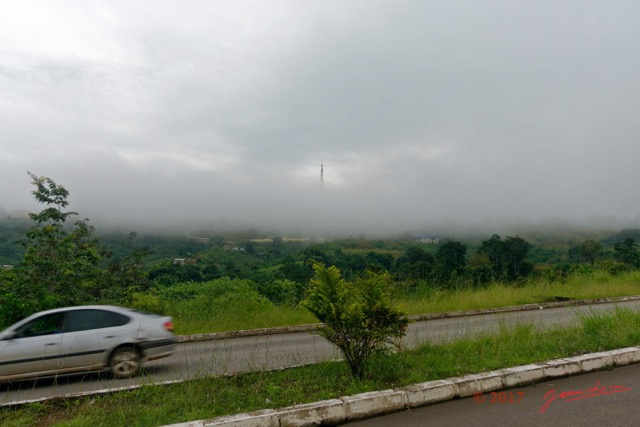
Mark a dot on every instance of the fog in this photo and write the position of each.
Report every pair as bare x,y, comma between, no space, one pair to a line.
426,115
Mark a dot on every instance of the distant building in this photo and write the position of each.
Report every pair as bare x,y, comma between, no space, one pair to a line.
427,238
263,240
283,239
199,240
178,261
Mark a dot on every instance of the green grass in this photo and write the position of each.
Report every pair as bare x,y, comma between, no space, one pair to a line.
235,318
220,305
207,398
598,285
230,306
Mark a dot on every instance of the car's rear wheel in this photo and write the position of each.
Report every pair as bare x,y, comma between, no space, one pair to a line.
125,362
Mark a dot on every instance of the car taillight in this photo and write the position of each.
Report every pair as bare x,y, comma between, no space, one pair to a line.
168,326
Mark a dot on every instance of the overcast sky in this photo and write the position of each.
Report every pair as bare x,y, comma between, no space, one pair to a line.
422,112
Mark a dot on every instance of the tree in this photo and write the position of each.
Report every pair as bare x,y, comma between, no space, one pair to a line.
61,260
282,291
627,252
17,298
63,263
450,261
508,257
125,273
494,250
589,250
379,261
516,251
296,271
480,269
416,263
358,316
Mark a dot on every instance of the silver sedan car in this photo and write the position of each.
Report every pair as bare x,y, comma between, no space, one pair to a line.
84,338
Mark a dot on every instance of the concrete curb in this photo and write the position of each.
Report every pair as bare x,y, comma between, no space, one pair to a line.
366,405
420,317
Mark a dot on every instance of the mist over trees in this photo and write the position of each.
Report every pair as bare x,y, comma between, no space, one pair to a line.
54,259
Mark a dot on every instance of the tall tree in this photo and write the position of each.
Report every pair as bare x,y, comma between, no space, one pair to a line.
416,263
627,252
62,260
508,257
480,269
589,250
516,252
450,261
494,250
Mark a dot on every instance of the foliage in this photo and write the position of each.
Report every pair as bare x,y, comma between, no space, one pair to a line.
60,264
508,257
627,252
11,231
589,250
283,292
63,264
218,305
480,269
125,273
415,264
494,251
358,316
516,251
450,261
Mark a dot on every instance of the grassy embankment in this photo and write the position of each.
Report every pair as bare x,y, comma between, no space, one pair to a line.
201,399
230,306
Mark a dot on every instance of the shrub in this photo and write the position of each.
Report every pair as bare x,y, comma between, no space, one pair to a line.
358,316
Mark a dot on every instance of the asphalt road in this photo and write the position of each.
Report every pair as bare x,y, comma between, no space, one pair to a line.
603,398
228,356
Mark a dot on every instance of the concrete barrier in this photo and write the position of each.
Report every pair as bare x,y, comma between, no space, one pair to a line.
313,414
521,375
625,356
373,403
262,418
560,368
422,394
471,384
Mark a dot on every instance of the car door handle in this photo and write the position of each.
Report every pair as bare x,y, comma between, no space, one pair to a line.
110,336
51,343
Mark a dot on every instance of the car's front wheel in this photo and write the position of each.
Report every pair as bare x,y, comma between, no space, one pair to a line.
125,362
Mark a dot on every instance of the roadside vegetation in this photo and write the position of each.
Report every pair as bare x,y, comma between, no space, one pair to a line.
211,397
358,317
213,283
246,280
229,305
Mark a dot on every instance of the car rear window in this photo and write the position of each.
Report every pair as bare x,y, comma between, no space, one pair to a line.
83,320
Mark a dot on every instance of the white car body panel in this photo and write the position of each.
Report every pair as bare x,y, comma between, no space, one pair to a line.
87,348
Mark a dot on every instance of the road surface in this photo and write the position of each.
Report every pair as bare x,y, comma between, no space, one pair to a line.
228,356
603,398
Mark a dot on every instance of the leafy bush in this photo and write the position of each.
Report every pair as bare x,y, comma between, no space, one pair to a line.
283,292
358,316
218,305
